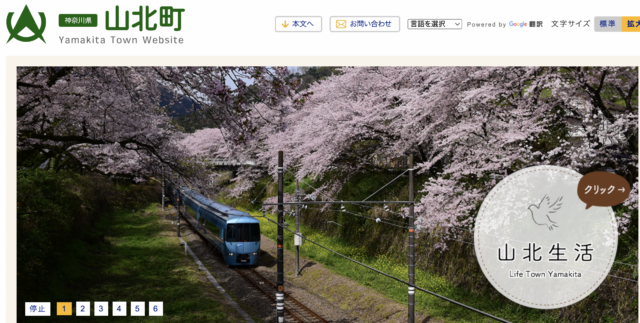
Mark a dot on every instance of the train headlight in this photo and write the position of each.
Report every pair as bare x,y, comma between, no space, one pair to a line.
231,254
255,253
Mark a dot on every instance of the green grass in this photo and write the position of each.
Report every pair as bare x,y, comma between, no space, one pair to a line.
134,262
397,291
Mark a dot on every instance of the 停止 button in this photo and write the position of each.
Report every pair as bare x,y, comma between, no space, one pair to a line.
37,309
365,24
298,23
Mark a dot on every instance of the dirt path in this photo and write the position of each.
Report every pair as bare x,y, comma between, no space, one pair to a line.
334,297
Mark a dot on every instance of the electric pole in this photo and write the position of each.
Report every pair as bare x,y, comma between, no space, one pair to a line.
178,209
412,289
298,239
280,269
162,191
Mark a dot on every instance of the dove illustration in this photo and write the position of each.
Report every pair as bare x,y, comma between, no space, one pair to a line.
541,212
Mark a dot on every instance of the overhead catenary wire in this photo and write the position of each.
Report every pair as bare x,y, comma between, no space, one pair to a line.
366,217
624,263
386,221
393,180
462,241
265,186
470,243
332,199
407,283
383,221
395,278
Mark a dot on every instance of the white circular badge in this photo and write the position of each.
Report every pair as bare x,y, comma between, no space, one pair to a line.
538,244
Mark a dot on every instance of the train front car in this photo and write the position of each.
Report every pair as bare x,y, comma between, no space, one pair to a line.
235,233
242,240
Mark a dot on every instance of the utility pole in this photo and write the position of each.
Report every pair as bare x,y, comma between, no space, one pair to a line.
280,269
412,289
297,240
178,209
163,191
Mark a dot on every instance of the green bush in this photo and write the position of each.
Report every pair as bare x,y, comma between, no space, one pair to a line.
47,207
56,207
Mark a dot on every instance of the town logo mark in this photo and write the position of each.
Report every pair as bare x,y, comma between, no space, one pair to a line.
26,21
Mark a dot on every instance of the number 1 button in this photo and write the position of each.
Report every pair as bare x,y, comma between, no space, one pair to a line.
64,308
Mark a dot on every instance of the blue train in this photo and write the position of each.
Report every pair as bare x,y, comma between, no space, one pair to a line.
235,233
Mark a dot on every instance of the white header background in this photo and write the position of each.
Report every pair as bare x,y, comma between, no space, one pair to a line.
247,29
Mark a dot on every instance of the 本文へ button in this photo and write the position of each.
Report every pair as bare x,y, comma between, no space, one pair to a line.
37,309
375,24
298,23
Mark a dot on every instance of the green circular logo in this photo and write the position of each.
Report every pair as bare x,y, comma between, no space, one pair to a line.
26,21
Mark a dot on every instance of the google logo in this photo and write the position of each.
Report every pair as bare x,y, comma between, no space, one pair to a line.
517,24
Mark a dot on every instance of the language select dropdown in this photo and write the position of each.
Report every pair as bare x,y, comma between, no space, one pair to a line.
435,24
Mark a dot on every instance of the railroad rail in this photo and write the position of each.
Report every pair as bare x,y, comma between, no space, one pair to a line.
294,308
293,303
288,297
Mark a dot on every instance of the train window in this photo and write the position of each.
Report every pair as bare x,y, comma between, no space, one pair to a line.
190,208
243,232
230,236
255,232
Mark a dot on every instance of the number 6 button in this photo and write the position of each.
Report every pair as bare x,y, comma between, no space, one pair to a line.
137,308
119,308
83,308
155,308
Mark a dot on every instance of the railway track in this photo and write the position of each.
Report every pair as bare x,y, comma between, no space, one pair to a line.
292,307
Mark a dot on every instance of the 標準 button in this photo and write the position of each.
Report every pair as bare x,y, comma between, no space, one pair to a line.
607,24
298,23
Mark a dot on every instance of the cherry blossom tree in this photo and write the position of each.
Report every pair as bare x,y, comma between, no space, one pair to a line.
105,119
467,127
208,142
109,119
227,95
